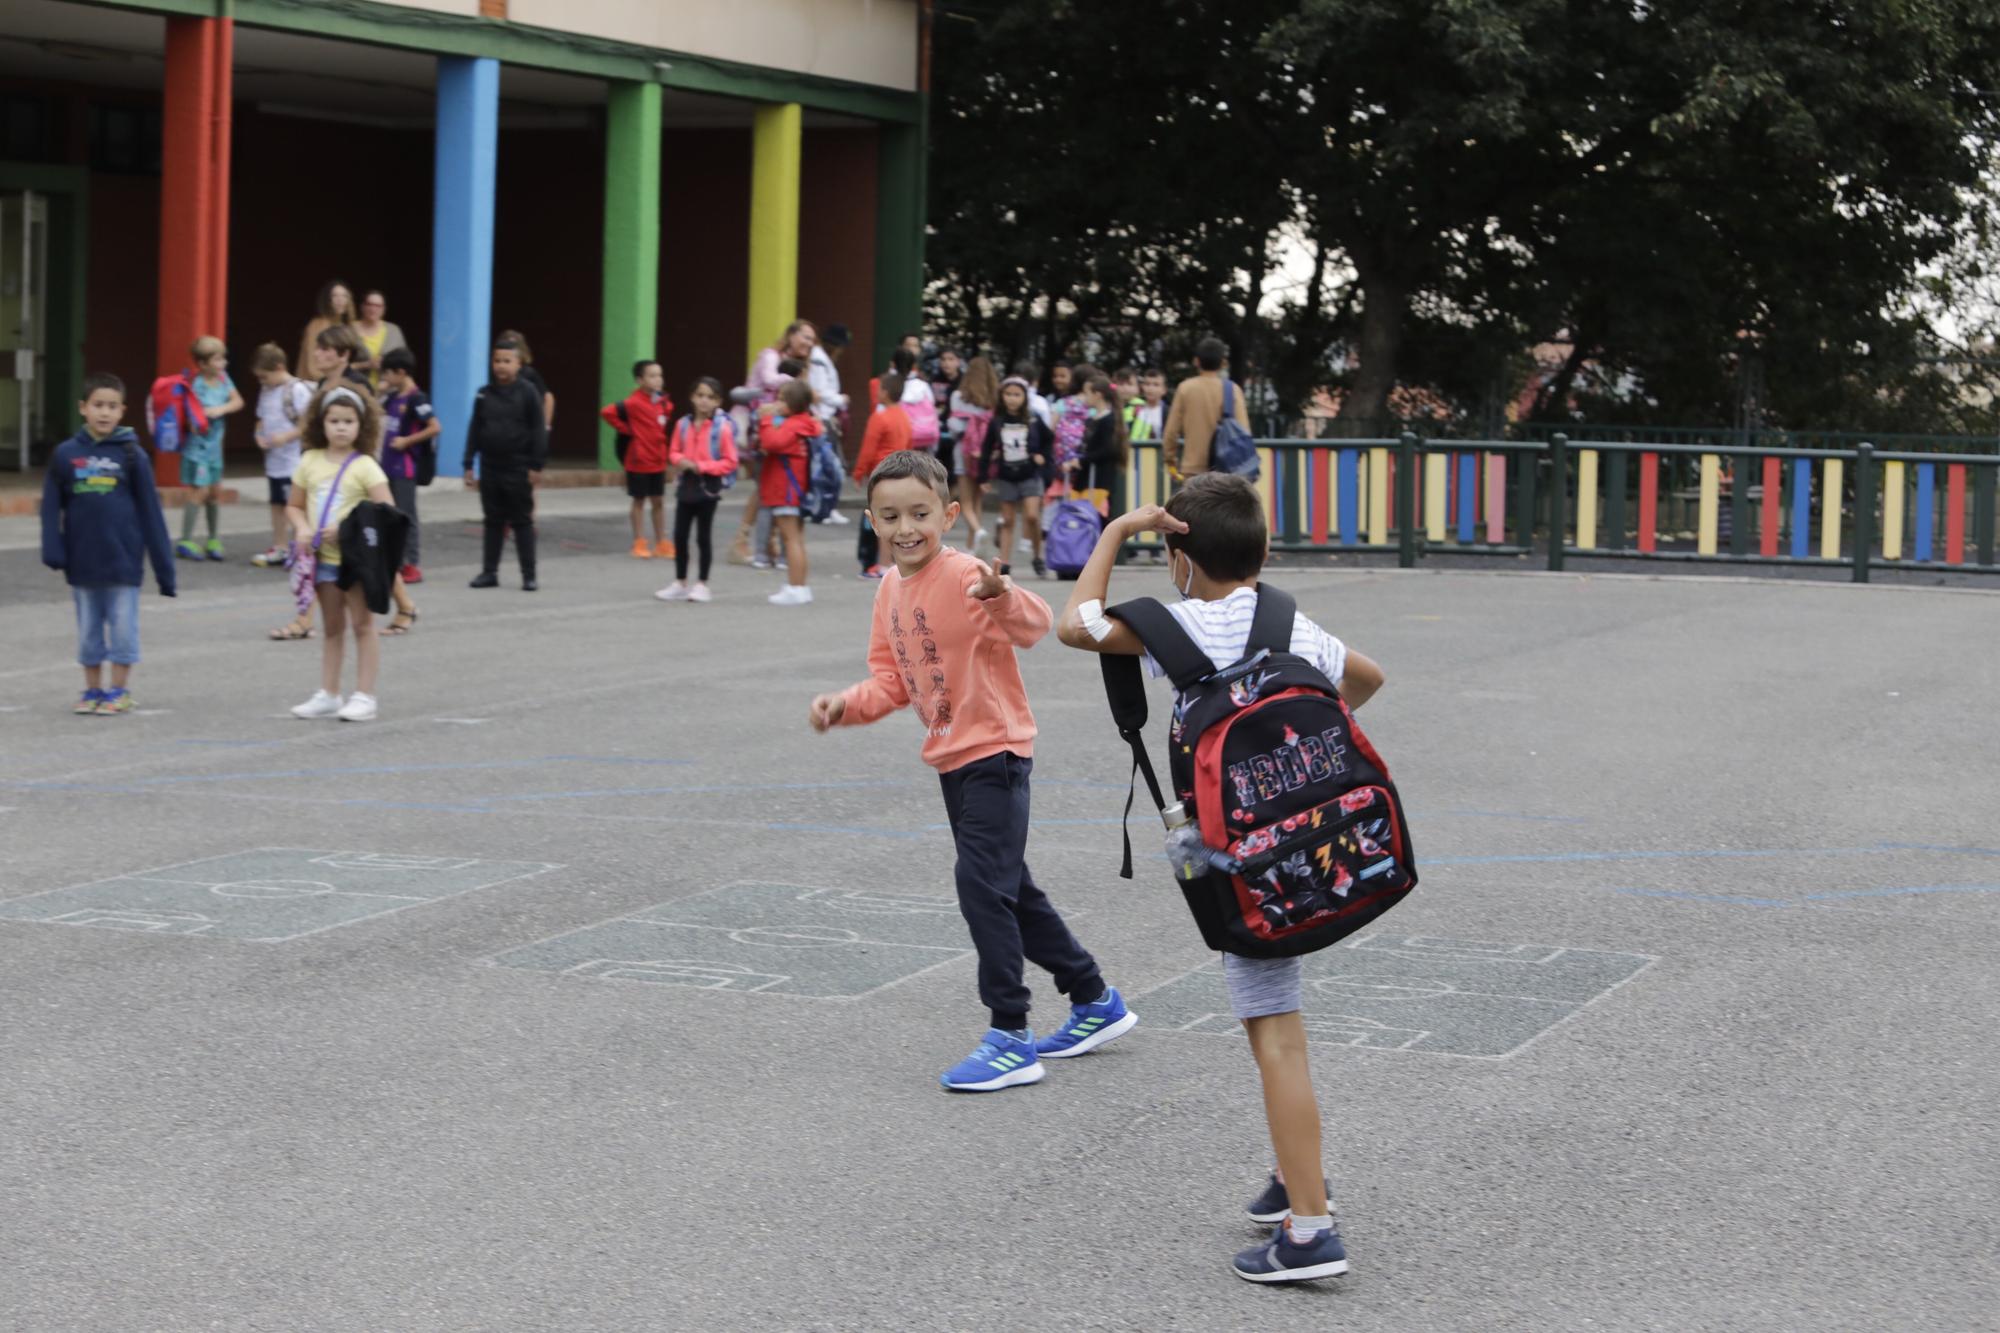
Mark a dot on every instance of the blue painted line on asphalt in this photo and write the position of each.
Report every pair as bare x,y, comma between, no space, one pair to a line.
1941,847
858,832
1901,892
683,791
1723,899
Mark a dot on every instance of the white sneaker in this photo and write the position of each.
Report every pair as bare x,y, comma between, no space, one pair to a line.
760,562
700,593
792,594
359,708
265,559
321,704
1023,545
673,592
979,540
837,518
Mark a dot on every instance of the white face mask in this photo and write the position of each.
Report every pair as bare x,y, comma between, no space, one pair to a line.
1184,588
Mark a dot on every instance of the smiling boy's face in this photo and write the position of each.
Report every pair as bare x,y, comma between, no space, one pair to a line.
911,520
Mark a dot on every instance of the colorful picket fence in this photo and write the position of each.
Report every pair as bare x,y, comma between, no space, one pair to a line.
1635,499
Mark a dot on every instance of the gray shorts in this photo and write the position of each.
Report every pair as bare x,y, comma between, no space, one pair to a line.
1014,492
1260,987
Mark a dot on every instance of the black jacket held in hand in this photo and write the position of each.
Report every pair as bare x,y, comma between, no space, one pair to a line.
507,429
371,551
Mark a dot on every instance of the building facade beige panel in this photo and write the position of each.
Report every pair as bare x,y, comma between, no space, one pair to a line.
462,8
866,41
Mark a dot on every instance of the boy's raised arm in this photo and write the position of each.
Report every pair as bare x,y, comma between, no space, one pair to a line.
1093,585
1011,611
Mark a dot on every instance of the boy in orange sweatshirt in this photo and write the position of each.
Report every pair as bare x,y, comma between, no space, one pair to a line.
945,632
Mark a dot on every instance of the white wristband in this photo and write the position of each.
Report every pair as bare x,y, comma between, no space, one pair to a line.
1091,616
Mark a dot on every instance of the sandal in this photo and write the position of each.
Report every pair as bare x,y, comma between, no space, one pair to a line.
403,623
293,629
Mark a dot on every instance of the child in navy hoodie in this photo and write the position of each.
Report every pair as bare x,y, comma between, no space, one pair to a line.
100,520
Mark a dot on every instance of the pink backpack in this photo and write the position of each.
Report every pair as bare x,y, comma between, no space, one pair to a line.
923,426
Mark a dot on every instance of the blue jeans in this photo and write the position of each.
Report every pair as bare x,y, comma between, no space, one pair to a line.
107,625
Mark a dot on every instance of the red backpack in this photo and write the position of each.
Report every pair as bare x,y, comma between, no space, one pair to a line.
1304,829
173,413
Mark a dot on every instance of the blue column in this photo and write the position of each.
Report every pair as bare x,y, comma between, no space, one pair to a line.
468,149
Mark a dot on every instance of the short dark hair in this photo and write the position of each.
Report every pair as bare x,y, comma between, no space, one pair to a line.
835,335
1147,371
1210,353
891,386
902,361
710,383
639,367
102,379
796,396
911,463
511,345
792,366
1226,534
1026,370
400,358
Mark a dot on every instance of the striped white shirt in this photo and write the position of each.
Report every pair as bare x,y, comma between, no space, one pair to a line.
1222,630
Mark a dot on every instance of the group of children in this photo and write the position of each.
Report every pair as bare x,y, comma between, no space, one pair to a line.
946,630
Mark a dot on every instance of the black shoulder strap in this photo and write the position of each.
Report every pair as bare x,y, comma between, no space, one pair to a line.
1125,687
1180,657
1277,614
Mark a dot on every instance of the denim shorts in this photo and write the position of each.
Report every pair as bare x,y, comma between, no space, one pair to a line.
107,624
1260,987
1014,492
325,572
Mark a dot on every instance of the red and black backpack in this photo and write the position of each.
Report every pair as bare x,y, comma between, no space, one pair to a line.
1304,828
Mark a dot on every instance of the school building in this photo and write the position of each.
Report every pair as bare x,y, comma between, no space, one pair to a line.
614,178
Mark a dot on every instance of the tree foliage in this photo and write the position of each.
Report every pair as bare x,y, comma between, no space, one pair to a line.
1710,210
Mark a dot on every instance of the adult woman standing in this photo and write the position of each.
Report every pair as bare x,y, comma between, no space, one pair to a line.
335,305
378,335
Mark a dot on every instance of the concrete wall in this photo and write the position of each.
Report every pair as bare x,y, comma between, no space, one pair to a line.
866,41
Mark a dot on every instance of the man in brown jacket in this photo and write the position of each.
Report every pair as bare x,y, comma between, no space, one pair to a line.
1197,410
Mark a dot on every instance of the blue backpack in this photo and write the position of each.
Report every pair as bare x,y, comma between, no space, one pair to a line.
1073,533
1235,449
824,493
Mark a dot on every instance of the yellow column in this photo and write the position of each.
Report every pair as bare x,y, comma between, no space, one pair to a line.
1437,468
1378,497
1267,467
775,138
1892,511
1711,504
1829,510
1586,499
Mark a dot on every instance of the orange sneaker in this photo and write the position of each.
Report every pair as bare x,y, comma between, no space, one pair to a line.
664,551
641,551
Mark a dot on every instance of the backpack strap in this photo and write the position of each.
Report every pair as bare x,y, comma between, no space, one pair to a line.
1125,688
1277,615
1181,658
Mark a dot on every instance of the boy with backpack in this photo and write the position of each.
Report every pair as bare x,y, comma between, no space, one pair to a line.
281,410
1300,841
410,428
946,632
101,519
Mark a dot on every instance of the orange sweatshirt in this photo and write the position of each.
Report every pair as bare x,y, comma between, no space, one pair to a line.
888,431
950,657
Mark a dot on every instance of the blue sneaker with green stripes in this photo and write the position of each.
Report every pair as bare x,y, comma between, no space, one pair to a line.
1002,1060
1089,1026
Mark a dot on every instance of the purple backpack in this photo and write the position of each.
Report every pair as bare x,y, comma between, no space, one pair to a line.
1073,531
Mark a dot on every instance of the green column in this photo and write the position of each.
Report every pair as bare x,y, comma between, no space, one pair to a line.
631,244
899,237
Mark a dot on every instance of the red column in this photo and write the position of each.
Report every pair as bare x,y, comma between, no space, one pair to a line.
194,186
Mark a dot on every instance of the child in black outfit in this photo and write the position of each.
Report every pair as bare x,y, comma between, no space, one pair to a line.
1011,469
509,433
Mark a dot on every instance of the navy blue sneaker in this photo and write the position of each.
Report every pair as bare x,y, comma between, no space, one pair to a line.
1275,1203
1279,1260
1002,1060
1089,1027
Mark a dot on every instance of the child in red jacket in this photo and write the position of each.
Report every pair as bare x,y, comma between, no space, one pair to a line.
785,479
642,420
703,454
888,431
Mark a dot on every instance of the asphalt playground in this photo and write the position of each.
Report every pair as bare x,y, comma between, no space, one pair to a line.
587,989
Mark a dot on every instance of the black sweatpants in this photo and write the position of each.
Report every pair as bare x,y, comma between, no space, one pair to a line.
403,490
1010,918
698,515
867,546
507,500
